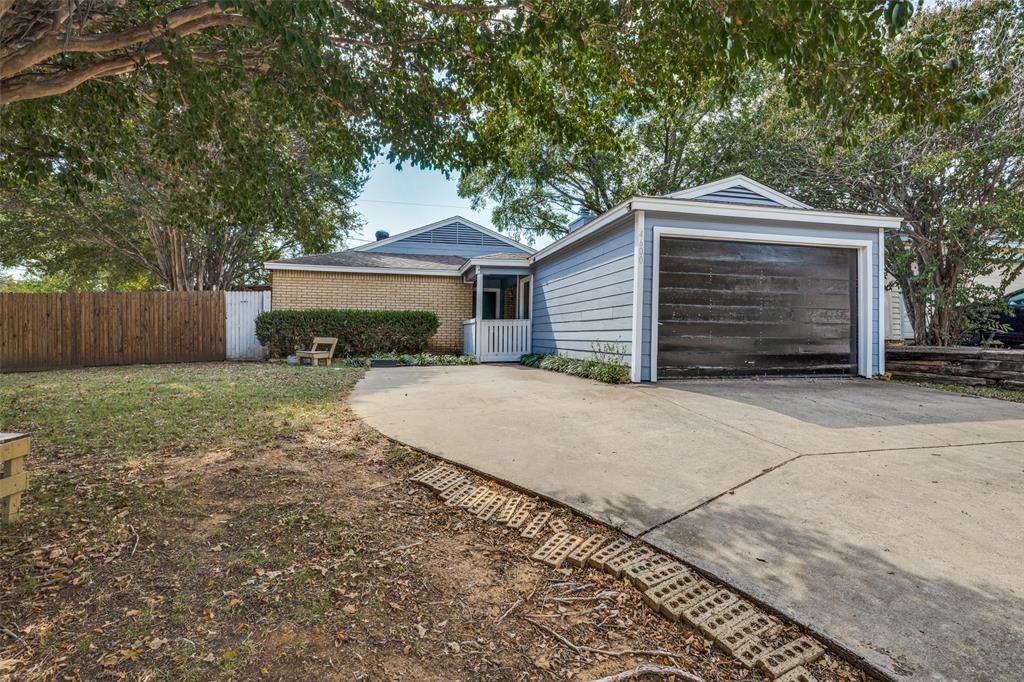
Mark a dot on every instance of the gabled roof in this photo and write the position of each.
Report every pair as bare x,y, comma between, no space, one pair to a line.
781,209
455,220
738,189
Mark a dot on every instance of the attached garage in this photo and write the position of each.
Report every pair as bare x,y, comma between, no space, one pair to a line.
728,279
743,308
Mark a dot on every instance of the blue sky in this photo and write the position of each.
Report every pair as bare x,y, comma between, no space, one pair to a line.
398,200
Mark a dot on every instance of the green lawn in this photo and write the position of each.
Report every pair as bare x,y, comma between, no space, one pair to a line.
133,413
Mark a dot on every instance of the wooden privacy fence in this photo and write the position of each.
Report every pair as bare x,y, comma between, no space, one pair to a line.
49,331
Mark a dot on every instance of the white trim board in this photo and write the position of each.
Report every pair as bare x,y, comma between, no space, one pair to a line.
865,289
826,219
441,223
636,360
744,182
881,298
523,279
494,263
342,268
865,221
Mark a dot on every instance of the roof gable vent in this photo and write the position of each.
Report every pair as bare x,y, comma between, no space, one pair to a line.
456,233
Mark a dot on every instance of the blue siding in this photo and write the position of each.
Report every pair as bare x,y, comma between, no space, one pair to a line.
453,239
583,297
726,226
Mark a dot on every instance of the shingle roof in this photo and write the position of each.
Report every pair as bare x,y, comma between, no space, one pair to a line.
374,259
504,255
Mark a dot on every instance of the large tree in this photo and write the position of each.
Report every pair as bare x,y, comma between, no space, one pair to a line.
431,83
955,176
631,111
959,186
539,183
262,181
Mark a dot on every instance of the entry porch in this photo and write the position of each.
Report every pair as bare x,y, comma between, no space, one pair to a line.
500,327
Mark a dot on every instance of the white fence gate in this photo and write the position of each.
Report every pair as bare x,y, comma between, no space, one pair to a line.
240,311
504,340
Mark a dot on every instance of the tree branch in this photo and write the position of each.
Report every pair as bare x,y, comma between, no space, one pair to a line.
33,86
186,20
58,84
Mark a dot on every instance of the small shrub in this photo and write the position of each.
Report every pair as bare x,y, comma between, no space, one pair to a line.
598,370
428,359
359,332
412,360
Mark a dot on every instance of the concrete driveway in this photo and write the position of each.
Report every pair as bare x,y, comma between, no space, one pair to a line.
887,518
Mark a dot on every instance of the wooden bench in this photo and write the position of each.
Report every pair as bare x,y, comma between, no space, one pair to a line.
315,354
13,477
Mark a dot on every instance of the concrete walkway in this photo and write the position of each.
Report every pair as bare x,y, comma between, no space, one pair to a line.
889,519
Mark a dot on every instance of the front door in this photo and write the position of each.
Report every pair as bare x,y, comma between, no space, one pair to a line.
491,307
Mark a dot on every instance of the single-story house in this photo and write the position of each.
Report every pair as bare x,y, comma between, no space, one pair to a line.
731,278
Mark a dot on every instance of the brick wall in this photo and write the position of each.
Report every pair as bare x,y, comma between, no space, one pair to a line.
449,298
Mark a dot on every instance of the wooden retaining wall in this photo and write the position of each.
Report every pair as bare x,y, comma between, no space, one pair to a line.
958,365
49,331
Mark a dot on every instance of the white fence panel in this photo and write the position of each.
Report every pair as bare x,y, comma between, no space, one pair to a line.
240,311
504,340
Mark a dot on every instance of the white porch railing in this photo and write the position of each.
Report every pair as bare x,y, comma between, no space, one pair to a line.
503,340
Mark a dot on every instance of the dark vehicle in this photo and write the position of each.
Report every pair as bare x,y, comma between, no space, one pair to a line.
1010,326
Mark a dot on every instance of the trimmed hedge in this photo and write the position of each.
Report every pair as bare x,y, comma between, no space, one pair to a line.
598,370
359,332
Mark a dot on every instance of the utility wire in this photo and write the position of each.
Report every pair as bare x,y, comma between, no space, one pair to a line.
414,203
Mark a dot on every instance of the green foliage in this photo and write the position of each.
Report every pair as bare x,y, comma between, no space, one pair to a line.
359,332
264,180
959,185
621,112
414,360
248,141
53,284
955,175
540,183
598,370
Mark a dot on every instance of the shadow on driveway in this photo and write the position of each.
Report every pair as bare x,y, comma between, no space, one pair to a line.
851,403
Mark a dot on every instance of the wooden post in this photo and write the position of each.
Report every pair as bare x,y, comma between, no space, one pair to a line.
13,478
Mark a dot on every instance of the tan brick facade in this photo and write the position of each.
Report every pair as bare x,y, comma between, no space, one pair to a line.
449,298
